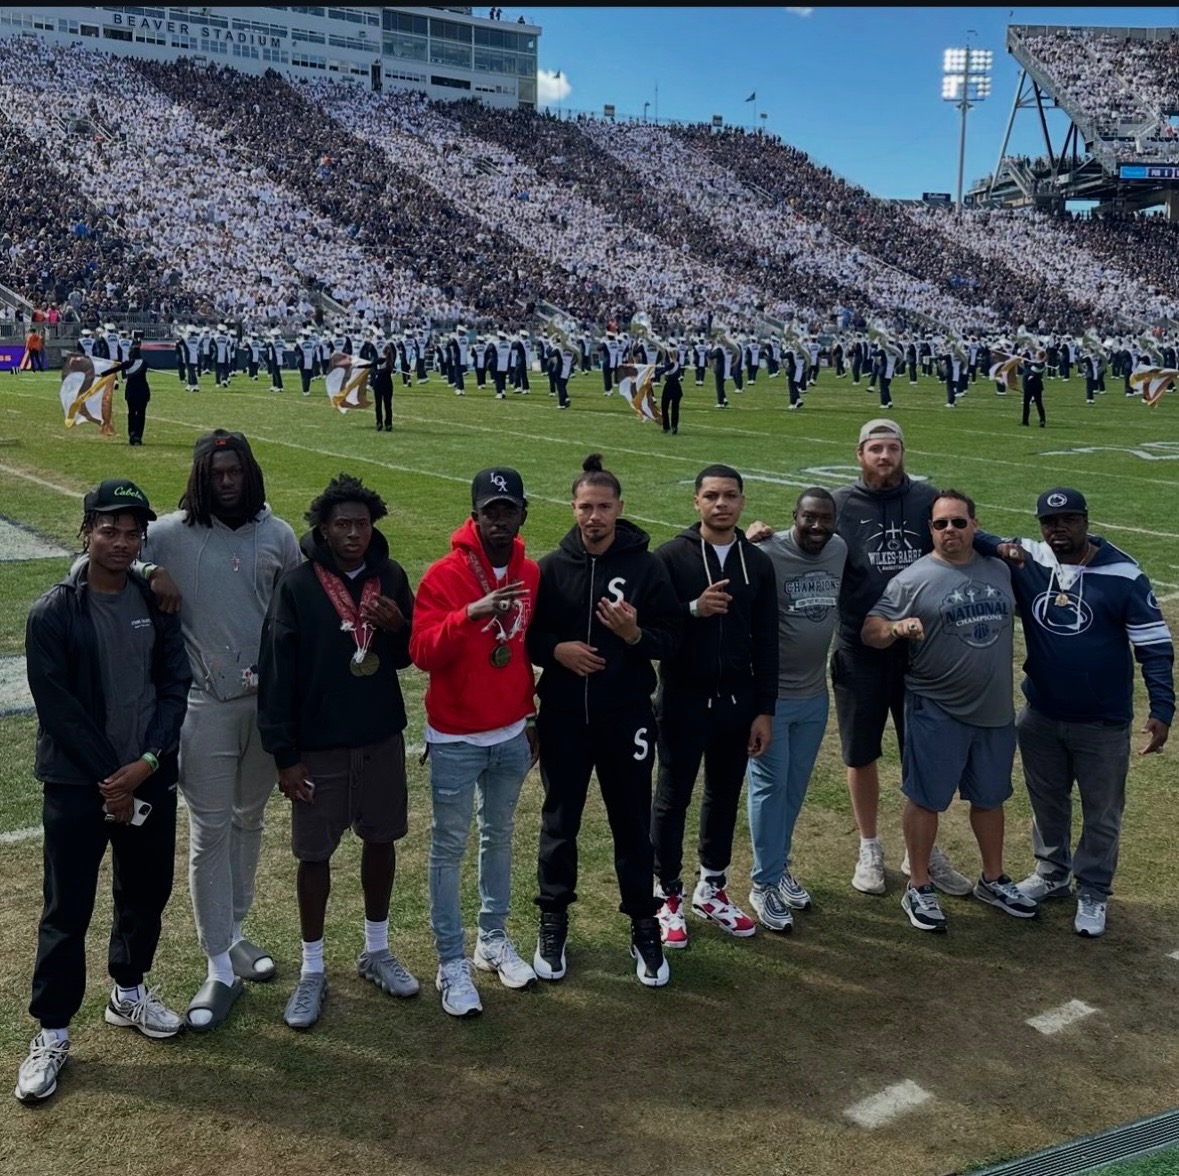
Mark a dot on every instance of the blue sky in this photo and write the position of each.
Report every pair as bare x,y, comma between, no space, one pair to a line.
859,89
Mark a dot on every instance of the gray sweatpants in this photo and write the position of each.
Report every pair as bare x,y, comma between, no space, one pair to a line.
226,779
1097,758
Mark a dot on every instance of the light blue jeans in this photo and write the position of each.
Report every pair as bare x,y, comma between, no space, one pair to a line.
459,771
778,781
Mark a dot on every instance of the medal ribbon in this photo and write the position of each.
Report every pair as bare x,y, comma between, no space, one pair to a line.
502,635
348,612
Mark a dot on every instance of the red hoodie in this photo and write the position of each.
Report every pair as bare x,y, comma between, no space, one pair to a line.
467,694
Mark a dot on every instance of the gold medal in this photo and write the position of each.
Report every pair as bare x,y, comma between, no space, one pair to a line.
1062,599
366,667
500,656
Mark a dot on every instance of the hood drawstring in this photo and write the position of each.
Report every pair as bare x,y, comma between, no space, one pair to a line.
708,571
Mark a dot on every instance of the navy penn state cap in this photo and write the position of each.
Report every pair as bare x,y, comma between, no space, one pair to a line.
1061,500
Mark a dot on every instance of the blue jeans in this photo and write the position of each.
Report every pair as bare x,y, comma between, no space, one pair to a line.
778,781
457,772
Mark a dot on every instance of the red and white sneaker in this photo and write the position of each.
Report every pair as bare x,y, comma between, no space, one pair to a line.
673,927
710,901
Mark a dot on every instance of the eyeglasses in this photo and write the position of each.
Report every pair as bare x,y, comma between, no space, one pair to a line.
958,524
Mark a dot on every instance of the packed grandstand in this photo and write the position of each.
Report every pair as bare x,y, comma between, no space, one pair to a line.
257,197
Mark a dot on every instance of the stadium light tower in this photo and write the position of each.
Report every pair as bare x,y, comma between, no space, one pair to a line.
966,80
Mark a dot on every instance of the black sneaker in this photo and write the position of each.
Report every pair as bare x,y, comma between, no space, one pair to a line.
549,961
646,948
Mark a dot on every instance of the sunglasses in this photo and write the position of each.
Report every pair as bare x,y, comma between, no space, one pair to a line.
958,524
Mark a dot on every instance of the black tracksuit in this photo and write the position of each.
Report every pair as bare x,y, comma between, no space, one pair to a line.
723,675
673,393
604,721
137,394
73,756
308,699
1033,389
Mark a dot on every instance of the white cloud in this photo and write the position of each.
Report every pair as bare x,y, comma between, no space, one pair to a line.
800,11
551,86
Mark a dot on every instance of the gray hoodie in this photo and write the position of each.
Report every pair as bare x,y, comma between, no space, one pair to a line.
226,578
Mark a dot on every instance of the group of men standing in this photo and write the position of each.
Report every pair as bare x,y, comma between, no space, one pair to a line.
236,661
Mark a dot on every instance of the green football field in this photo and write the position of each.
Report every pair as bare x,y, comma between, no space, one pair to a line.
752,1058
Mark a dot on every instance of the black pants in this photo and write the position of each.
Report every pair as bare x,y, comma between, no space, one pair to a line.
699,376
792,385
305,376
223,373
422,369
721,398
562,391
751,373
716,731
607,378
194,376
251,369
669,407
383,400
622,751
885,391
912,366
136,417
275,376
839,367
76,837
951,389
855,370
500,382
1032,396
480,377
457,371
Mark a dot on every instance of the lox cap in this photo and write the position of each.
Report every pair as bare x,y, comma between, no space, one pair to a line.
1061,500
881,427
498,485
221,439
116,495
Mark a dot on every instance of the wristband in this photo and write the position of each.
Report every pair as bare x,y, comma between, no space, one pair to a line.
149,570
151,761
693,608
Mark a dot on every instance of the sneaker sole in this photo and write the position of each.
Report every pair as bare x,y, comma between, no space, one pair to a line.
780,929
545,972
1002,906
461,1014
677,945
798,906
657,981
119,1021
882,889
30,1098
717,923
1087,934
936,928
507,982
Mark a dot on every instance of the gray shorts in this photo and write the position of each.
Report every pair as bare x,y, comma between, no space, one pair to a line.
944,755
362,788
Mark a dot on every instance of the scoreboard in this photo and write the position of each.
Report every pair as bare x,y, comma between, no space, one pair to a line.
1148,171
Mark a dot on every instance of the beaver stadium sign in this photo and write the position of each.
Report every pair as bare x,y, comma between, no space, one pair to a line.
184,29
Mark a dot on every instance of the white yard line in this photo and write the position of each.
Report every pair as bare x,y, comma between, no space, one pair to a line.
893,1101
1054,1020
18,835
1173,955
56,487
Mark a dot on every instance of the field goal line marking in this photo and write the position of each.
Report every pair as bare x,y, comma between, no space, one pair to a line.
1054,1020
893,1101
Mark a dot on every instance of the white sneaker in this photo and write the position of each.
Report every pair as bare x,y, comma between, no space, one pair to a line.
869,875
38,1072
794,895
1038,888
673,927
496,954
943,875
455,982
1090,920
148,1014
710,901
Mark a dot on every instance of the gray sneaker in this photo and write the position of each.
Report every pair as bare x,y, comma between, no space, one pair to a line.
1004,894
794,895
770,908
306,1001
148,1014
387,972
38,1072
1040,889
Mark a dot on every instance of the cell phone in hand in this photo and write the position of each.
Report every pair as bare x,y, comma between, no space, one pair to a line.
141,813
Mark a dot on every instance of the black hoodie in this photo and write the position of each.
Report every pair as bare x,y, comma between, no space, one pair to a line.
571,583
735,654
885,531
308,698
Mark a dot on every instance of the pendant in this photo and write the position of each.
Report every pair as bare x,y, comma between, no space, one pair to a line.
500,656
366,667
1062,599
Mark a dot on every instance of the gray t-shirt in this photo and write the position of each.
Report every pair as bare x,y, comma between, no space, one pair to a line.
965,662
808,609
126,639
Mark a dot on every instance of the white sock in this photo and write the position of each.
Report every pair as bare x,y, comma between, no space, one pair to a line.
221,969
865,842
130,995
55,1034
376,935
312,957
715,877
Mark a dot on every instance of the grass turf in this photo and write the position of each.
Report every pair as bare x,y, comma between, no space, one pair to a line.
746,1062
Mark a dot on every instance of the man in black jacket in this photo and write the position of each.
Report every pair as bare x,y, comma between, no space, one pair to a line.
716,699
110,678
330,711
605,608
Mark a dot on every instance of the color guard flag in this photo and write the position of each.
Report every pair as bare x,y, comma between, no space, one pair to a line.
751,96
636,386
347,382
1152,382
1005,369
87,385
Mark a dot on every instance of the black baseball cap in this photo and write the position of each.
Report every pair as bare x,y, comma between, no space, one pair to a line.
218,440
116,495
500,484
1061,500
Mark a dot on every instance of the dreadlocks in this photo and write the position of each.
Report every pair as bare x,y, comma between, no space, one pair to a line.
197,499
345,488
